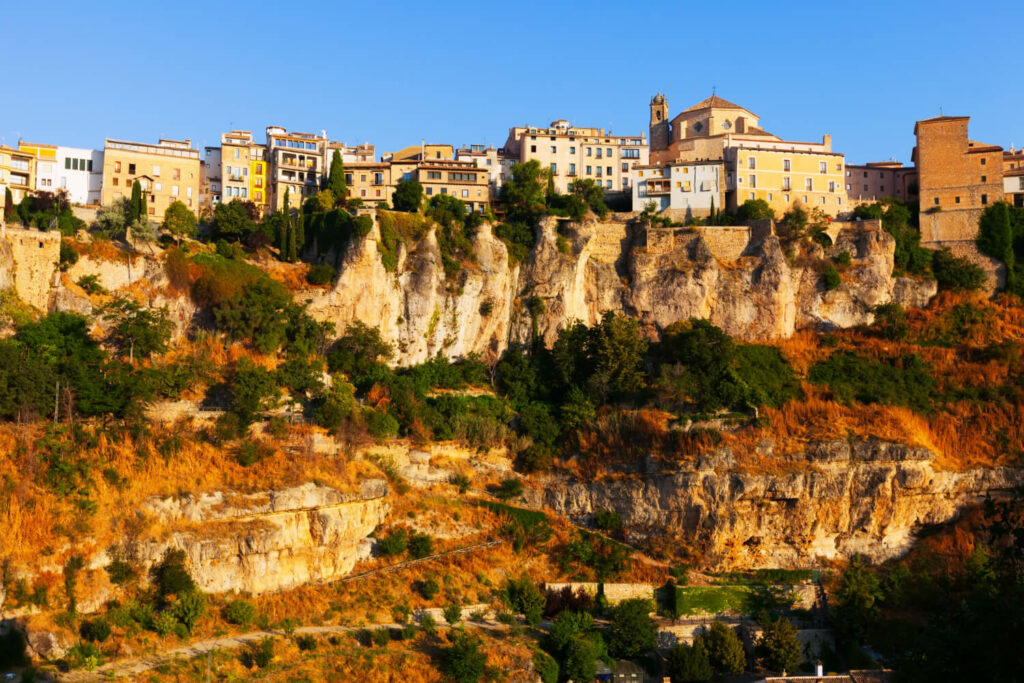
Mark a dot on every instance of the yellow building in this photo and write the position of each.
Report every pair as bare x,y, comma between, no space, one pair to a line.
243,169
45,168
758,164
167,171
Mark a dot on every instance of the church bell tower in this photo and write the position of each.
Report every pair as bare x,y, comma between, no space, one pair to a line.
659,129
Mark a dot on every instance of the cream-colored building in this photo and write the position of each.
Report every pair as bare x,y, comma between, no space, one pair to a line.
350,154
17,170
243,169
876,180
167,171
758,164
694,187
297,165
575,153
210,181
45,165
491,160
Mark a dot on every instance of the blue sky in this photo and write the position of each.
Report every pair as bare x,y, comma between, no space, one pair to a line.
392,73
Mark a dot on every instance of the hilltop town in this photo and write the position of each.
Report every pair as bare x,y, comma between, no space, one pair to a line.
696,403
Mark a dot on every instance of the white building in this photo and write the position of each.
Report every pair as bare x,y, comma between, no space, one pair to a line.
494,161
80,173
692,186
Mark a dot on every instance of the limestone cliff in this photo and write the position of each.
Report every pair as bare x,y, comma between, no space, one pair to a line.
832,500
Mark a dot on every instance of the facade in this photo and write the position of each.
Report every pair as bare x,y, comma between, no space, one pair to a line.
167,171
1013,177
296,165
45,165
576,152
489,159
957,179
80,174
370,181
17,172
758,164
695,187
243,169
210,180
350,154
873,181
375,182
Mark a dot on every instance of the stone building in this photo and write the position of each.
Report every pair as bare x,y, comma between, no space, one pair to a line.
875,180
693,188
957,179
167,171
1013,177
577,152
494,161
296,165
17,171
758,164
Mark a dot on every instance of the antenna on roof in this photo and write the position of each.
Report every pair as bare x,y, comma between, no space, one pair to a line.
713,90
940,111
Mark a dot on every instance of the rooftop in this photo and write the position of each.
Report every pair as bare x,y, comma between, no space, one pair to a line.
716,102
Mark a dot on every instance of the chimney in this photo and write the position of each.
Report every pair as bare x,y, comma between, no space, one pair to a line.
826,140
819,670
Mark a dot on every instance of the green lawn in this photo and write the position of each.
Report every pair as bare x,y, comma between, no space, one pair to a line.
714,599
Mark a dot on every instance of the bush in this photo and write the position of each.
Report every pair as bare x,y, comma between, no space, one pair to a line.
394,543
831,277
420,545
428,624
524,597
320,274
172,578
687,664
508,489
95,630
239,612
956,273
607,520
545,666
724,649
905,381
258,654
891,321
462,660
844,259
779,646
428,588
68,256
461,481
306,643
381,637
91,284
452,613
632,632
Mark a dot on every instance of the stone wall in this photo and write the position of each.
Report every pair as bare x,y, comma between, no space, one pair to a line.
32,268
726,242
614,592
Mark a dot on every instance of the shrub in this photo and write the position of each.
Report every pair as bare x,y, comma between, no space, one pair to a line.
956,273
891,321
120,571
420,544
428,624
526,598
239,612
687,664
509,488
462,660
91,284
779,647
452,613
189,608
306,643
68,255
258,654
632,632
394,543
545,666
95,630
461,481
831,277
905,381
844,258
381,637
607,520
724,649
172,578
251,452
428,588
320,274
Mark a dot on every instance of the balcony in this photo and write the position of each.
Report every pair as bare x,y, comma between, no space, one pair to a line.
657,188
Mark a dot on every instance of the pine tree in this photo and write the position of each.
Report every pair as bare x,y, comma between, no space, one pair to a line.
336,178
135,204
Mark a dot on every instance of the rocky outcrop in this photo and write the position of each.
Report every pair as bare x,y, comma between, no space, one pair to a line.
832,500
28,264
267,541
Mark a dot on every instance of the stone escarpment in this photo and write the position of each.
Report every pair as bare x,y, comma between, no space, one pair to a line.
833,500
739,278
267,541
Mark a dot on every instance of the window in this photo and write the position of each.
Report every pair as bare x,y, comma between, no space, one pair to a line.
956,200
753,183
67,163
465,193
983,161
936,201
599,169
362,177
348,178
131,169
831,186
805,199
378,178
554,169
785,182
589,151
865,188
533,148
769,196
751,195
553,150
822,200
188,192
785,165
589,170
822,167
984,199
174,190
156,170
152,210
90,166
176,174
117,167
847,187
751,162
609,151
608,170
572,150
984,179
608,184
159,187
362,193
572,169
785,198
115,180
810,185
236,152
625,168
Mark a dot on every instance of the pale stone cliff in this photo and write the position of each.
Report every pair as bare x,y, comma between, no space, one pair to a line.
832,500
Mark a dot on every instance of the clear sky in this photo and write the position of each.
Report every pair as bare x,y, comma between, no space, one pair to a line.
392,73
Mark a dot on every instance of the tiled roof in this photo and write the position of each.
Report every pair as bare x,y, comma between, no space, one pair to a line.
717,102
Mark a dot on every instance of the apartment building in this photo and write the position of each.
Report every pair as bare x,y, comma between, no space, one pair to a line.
17,172
694,187
758,164
297,164
243,169
576,152
374,182
167,171
487,158
957,178
45,164
210,180
80,174
875,180
350,154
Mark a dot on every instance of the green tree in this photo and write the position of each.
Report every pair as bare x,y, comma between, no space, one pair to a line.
336,178
955,272
632,632
831,278
526,598
111,220
524,193
8,204
137,328
779,646
261,313
462,660
452,613
754,209
408,196
591,194
252,389
689,664
581,655
891,321
231,221
996,239
857,599
725,651
135,205
179,221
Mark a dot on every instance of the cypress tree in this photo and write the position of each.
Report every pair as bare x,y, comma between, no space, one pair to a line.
282,239
292,246
8,203
135,205
336,178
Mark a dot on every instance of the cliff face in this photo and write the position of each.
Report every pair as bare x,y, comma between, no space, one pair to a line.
833,500
268,541
743,283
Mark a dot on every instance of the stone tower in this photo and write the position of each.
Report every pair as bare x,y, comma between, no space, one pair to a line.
659,123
